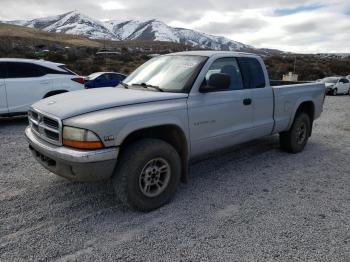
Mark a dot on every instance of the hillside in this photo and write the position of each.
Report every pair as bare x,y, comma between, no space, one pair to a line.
8,31
80,54
31,36
76,23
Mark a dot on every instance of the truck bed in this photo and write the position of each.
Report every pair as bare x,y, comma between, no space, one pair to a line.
288,97
284,83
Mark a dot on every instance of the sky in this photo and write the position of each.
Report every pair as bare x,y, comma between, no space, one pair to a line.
301,26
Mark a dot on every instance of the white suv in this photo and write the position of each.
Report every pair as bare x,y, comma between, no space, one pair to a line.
337,85
25,81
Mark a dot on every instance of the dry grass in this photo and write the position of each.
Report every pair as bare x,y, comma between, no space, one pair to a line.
35,36
38,35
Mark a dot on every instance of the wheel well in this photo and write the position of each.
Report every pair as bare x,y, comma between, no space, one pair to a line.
307,107
56,92
169,133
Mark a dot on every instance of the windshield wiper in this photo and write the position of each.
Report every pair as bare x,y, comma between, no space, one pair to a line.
126,86
144,85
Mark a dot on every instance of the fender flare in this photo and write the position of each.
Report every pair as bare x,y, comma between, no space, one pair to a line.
297,106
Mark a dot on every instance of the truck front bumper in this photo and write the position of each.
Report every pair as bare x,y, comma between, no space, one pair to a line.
73,164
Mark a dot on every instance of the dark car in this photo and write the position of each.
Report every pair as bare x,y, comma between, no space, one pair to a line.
103,79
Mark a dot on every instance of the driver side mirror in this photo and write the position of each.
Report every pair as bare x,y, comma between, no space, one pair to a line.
217,82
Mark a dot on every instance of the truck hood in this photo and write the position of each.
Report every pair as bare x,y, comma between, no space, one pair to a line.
84,101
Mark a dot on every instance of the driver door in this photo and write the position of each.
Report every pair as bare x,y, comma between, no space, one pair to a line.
221,118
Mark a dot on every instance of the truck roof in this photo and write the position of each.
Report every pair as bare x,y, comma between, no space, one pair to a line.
209,53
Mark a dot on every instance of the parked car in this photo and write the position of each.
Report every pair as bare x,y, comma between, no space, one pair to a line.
103,79
25,81
336,85
172,109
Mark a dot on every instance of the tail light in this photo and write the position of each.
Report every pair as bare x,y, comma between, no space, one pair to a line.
79,80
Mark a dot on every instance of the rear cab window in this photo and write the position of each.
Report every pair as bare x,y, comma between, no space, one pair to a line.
3,70
252,72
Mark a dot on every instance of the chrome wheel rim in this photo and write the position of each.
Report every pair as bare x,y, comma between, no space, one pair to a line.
301,133
154,177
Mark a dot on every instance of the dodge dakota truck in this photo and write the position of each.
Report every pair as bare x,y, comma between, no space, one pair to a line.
176,107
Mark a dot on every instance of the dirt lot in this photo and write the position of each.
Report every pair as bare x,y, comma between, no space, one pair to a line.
254,203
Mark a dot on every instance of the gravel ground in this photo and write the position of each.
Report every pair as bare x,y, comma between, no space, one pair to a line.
253,203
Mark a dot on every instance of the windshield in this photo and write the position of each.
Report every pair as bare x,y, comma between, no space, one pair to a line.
332,80
167,73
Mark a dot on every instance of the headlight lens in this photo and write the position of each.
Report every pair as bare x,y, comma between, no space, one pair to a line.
80,138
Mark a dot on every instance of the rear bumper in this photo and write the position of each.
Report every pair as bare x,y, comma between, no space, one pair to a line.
76,165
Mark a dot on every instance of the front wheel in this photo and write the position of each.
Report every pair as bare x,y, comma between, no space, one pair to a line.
349,92
294,140
147,174
334,92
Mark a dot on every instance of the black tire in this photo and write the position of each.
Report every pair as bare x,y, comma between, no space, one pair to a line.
334,92
349,92
294,140
130,174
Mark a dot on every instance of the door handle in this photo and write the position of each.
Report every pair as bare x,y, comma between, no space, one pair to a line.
247,101
44,82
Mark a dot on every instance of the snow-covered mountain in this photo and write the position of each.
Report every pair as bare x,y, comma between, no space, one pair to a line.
77,23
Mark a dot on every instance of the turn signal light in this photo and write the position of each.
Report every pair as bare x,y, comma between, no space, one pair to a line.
81,138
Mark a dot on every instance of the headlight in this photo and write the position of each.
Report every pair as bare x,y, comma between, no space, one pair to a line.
80,138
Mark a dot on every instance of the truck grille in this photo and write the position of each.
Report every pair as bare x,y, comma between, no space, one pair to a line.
50,122
46,127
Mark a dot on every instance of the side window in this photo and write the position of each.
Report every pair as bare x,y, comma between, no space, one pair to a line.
66,70
228,66
101,77
121,77
343,80
253,75
3,71
47,70
114,77
24,70
346,81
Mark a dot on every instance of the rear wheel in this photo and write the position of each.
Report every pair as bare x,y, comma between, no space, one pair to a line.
295,139
147,174
349,92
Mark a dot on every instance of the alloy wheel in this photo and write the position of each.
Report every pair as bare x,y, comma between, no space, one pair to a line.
154,177
301,133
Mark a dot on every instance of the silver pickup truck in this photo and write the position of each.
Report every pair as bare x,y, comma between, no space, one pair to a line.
173,108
